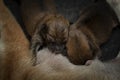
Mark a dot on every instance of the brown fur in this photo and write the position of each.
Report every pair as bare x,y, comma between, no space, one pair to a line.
92,29
15,55
85,36
16,59
99,18
33,11
52,32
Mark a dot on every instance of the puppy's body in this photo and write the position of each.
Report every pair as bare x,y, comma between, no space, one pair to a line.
92,29
52,32
50,28
16,61
99,18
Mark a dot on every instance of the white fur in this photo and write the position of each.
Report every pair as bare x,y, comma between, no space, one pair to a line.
47,58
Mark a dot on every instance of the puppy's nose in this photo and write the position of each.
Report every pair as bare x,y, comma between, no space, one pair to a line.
58,49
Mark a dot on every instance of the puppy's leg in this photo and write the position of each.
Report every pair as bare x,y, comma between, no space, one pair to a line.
16,57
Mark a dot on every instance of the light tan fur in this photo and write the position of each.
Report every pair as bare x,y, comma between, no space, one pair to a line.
57,67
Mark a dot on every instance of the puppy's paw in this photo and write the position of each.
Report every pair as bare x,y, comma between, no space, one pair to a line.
88,62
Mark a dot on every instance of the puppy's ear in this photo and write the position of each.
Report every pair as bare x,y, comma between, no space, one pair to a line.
42,31
39,38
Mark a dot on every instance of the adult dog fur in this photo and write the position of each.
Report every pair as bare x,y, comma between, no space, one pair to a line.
14,47
52,32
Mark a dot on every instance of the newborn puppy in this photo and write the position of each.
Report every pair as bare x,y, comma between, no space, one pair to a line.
51,32
81,47
45,25
92,29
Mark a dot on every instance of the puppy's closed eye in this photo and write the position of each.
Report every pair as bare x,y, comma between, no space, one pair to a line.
38,47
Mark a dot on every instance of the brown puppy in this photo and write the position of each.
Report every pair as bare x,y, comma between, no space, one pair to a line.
92,29
46,27
51,32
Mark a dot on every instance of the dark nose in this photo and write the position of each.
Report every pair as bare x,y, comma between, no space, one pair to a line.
58,49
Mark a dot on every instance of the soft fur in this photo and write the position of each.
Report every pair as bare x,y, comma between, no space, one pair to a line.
52,32
16,63
57,67
92,29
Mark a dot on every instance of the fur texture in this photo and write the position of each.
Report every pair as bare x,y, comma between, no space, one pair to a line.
92,29
16,63
57,67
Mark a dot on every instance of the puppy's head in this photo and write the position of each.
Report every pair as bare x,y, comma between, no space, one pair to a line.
52,32
80,46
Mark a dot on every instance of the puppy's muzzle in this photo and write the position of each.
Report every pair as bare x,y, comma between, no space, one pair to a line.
58,49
